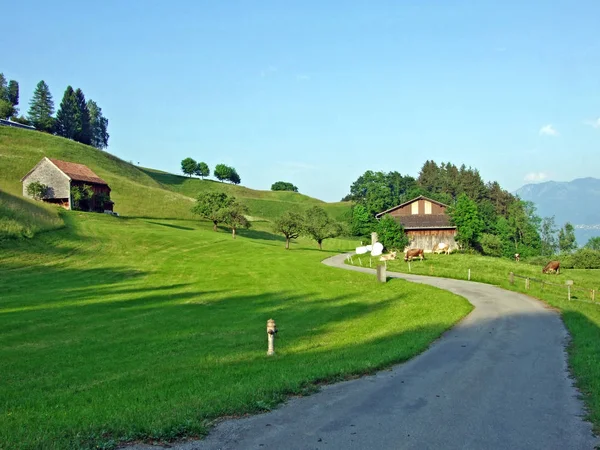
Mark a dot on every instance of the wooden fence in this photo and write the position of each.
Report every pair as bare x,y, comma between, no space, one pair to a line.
569,287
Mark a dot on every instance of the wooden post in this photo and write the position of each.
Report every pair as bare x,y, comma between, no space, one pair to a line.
527,283
374,238
569,283
594,295
469,276
381,275
409,266
511,278
271,330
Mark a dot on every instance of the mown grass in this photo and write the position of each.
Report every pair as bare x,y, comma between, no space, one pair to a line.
23,218
580,315
117,329
137,192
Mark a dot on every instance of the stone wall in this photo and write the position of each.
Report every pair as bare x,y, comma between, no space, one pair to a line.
59,186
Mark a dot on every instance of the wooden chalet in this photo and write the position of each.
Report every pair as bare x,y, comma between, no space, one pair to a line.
425,222
61,176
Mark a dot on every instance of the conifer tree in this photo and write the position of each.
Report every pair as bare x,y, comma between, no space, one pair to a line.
98,125
66,117
41,108
13,92
82,118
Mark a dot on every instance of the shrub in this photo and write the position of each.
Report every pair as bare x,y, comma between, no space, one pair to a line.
491,245
584,258
283,186
391,234
37,190
80,195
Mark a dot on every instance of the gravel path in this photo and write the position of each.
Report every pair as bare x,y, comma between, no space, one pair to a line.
498,380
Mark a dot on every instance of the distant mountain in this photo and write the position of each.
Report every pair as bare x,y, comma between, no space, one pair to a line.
576,201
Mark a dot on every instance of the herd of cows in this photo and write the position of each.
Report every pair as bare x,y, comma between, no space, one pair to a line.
410,254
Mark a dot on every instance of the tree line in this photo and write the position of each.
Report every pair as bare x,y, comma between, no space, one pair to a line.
489,219
77,118
222,172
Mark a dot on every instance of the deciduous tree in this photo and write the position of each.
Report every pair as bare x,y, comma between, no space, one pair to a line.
234,178
7,110
548,236
13,92
290,224
66,117
391,234
98,126
202,170
465,216
319,226
210,206
283,186
566,238
41,108
593,243
234,215
222,172
188,166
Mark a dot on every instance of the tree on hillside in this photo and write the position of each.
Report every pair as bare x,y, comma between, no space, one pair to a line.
234,215
362,223
66,117
391,234
593,243
13,92
491,245
283,186
548,236
566,238
98,126
234,178
7,110
290,224
319,226
41,108
523,227
82,119
222,172
465,216
210,206
188,166
3,87
202,170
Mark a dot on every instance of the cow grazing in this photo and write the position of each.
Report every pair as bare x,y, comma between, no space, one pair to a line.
517,257
388,257
413,253
442,247
552,266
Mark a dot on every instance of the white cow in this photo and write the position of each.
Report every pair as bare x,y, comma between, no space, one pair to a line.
442,247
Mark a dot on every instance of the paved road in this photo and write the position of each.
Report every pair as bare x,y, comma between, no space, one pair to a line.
498,380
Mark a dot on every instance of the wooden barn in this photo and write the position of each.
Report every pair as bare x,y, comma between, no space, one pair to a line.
425,222
61,176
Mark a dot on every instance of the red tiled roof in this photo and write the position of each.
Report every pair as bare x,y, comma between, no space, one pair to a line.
78,172
417,221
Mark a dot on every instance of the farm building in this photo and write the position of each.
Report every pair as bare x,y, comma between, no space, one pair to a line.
425,222
61,177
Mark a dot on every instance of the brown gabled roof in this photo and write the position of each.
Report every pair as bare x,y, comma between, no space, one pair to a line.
424,221
420,197
78,172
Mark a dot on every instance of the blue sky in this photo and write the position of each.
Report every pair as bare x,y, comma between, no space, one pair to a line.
317,92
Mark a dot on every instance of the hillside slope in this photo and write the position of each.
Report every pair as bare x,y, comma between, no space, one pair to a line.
136,191
574,201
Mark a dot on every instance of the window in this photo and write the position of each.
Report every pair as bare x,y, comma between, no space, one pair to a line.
414,207
427,207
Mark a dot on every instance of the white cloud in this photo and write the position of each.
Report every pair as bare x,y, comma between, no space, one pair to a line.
593,123
535,177
548,130
302,77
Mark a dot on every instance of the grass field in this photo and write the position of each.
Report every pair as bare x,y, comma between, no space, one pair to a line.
20,217
581,317
138,192
116,329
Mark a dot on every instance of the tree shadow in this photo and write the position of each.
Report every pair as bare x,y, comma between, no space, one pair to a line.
169,225
259,235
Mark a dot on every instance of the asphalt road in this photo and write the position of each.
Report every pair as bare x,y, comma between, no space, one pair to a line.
498,380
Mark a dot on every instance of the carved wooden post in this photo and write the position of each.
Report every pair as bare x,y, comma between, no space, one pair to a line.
271,330
511,278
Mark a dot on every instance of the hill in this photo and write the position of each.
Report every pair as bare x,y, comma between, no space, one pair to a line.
573,201
137,192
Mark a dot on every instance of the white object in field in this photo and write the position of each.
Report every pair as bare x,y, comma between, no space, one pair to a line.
361,250
369,247
377,249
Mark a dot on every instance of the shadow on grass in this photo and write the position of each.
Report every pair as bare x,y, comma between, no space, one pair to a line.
258,234
169,225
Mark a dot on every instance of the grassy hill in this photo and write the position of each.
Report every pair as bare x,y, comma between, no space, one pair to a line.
136,192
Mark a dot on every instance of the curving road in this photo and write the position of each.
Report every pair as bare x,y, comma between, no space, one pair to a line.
498,380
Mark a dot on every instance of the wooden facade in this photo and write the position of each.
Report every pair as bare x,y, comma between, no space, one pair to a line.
425,222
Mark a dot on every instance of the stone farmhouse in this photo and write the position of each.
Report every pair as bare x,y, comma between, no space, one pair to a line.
425,222
61,176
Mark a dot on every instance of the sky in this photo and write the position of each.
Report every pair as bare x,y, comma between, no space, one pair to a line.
316,93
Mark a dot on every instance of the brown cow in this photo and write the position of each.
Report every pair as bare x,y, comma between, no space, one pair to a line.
552,266
413,253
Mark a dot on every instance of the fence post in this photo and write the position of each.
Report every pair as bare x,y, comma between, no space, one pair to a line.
594,295
409,266
381,275
511,278
527,283
469,276
569,284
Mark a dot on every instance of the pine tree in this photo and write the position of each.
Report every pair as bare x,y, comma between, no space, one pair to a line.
13,92
82,117
66,117
98,126
41,108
